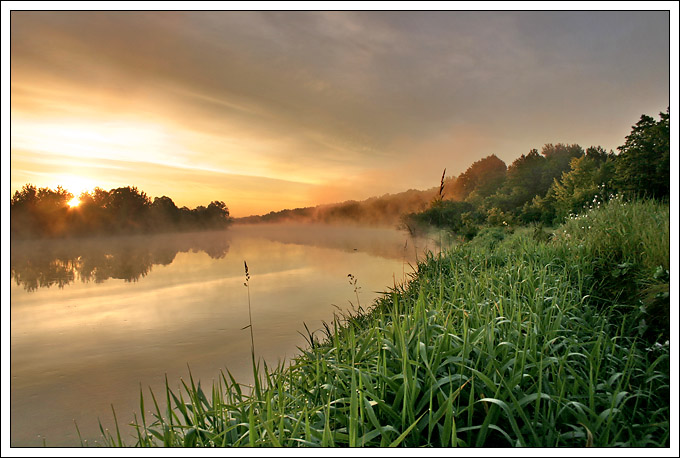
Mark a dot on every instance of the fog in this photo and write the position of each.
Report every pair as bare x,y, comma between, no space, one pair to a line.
386,211
45,263
93,319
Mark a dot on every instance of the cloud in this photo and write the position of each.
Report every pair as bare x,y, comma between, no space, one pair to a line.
327,98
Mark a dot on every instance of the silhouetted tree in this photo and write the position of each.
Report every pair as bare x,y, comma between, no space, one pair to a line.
129,208
40,211
45,213
164,213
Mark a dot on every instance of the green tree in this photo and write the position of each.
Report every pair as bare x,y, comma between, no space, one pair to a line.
588,183
522,183
643,164
528,180
558,160
483,178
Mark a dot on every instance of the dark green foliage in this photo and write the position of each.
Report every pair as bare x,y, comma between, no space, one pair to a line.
643,165
523,182
296,214
39,211
558,158
539,234
127,208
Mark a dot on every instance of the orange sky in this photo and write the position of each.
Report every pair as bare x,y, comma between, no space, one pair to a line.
273,110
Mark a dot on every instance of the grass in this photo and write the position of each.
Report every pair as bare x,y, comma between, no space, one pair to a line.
504,341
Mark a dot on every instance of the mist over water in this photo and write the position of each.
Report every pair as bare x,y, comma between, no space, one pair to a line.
93,320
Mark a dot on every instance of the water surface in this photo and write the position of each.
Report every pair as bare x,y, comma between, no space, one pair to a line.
94,320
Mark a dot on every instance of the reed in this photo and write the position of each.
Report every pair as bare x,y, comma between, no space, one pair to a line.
490,344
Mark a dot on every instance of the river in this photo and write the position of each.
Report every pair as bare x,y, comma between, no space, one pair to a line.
94,321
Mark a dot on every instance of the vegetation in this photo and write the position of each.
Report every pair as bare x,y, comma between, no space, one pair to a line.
512,339
45,212
547,187
644,165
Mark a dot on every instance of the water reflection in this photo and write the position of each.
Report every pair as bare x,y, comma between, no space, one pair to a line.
78,349
45,263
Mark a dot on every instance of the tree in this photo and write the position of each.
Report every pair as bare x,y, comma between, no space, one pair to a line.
45,212
558,160
522,182
42,211
28,196
528,180
215,215
128,207
588,182
164,214
23,211
483,177
643,164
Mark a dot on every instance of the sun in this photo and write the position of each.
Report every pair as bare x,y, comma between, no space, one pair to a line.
73,202
76,185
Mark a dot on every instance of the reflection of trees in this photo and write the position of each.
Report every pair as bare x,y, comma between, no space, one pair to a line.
45,263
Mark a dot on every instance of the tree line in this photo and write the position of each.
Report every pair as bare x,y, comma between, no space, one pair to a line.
44,212
547,187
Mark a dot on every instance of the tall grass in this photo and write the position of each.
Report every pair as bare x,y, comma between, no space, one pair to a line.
488,345
623,251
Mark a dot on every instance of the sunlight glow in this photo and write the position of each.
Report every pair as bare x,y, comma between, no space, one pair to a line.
75,184
73,202
121,140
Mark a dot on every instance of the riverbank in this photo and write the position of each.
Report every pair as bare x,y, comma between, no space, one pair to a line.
523,338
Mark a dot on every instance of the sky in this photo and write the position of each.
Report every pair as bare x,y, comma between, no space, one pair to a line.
267,110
